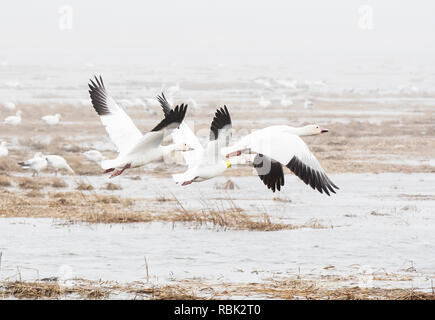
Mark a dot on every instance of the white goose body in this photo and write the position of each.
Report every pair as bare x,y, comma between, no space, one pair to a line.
58,163
207,163
285,102
308,104
51,119
276,146
13,120
264,103
36,164
144,153
94,155
9,105
3,149
134,149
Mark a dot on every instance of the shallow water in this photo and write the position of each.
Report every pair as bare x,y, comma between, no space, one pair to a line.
398,237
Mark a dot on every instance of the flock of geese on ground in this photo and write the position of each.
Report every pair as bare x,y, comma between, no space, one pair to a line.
267,149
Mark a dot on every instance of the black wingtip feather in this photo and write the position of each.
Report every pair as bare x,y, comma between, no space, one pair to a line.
98,94
164,104
317,180
175,116
273,179
221,119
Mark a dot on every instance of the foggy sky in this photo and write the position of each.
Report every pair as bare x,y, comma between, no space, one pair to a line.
195,32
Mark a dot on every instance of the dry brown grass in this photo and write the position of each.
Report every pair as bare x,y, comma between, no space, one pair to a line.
112,186
78,207
47,290
34,194
317,287
279,199
295,288
8,165
225,215
83,186
34,144
86,289
228,185
5,181
81,167
315,290
29,183
58,183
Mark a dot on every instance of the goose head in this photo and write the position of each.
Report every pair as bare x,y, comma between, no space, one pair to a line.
19,113
311,130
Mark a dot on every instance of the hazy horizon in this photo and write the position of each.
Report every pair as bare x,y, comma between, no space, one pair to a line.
198,33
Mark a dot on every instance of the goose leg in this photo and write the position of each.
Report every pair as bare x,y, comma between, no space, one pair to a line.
185,183
118,172
109,170
238,153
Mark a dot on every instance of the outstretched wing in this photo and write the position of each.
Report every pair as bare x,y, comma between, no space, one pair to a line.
220,135
269,171
164,103
183,135
221,126
120,128
291,151
153,138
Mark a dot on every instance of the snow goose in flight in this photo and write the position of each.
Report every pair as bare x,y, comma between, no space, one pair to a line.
51,119
281,145
13,120
134,149
3,149
183,135
206,163
36,164
58,163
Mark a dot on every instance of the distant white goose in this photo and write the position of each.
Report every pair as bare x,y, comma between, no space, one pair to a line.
308,104
286,83
285,102
36,164
263,81
9,105
51,119
58,163
134,149
206,163
264,103
281,145
94,155
13,120
173,89
3,149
